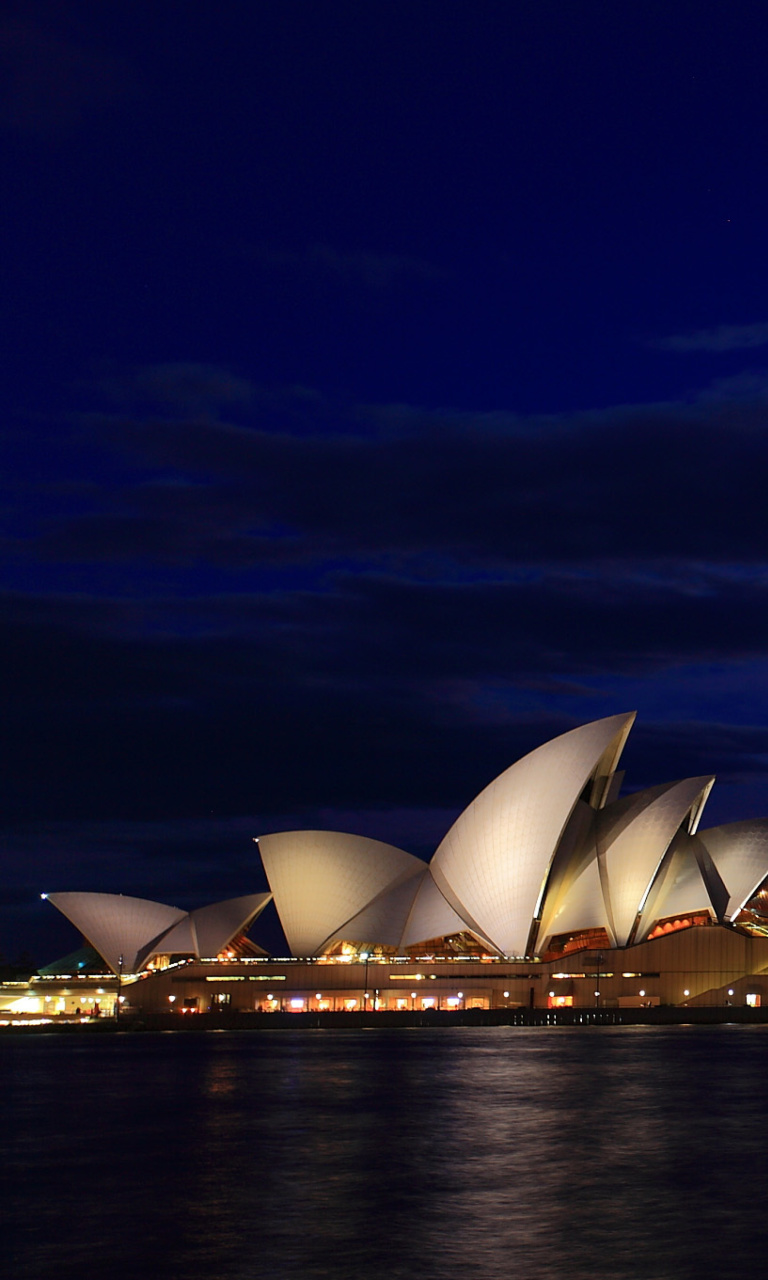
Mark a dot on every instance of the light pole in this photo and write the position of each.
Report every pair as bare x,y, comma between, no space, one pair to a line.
365,955
598,962
119,984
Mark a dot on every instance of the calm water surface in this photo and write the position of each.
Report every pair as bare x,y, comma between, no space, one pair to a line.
528,1154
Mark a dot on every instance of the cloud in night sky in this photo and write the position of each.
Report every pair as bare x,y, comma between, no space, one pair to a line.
421,576
334,475
354,615
726,337
375,271
299,479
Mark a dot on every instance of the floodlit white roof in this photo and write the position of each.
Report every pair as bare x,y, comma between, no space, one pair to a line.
321,880
680,889
431,916
574,896
544,853
138,929
496,857
216,925
206,931
582,907
740,853
383,920
118,926
632,839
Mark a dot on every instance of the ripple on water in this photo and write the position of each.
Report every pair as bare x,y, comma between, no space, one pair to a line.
527,1154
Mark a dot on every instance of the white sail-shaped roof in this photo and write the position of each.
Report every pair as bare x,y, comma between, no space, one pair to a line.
630,852
739,851
216,925
322,879
544,850
180,940
383,920
431,916
582,907
495,859
412,910
574,897
207,930
117,926
680,890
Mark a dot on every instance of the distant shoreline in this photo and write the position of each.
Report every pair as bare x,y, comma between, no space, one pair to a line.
659,1016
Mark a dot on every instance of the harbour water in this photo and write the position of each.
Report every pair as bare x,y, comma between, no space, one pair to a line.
437,1154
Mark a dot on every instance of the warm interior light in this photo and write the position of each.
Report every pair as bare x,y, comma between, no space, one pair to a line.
25,1004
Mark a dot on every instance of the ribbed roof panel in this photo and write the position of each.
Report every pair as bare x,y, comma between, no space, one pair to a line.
632,854
739,851
322,879
497,855
431,916
118,926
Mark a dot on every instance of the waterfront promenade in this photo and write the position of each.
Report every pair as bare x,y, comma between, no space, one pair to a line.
658,1016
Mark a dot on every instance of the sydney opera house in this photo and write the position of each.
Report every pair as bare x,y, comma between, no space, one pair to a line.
551,890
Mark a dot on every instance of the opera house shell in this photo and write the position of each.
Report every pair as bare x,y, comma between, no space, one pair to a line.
131,933
547,856
547,862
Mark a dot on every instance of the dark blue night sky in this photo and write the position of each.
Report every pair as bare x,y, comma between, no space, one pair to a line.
385,391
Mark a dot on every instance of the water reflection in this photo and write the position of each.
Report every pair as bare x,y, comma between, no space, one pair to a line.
501,1152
